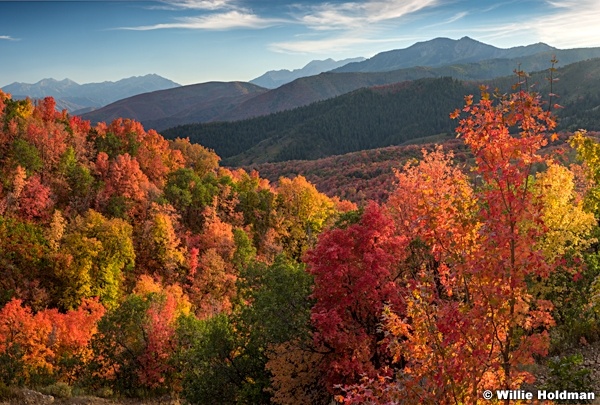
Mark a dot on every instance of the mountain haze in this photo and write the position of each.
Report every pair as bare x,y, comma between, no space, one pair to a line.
213,102
275,78
381,116
166,108
439,52
73,96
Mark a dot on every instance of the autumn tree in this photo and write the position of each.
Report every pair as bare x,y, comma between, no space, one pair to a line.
134,343
126,186
26,263
160,249
258,205
201,160
303,212
97,255
224,356
470,321
356,273
45,345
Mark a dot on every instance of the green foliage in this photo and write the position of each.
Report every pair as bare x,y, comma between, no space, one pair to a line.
349,218
573,297
114,259
279,304
223,358
81,185
257,205
568,374
16,109
26,155
244,251
13,367
59,390
25,262
207,356
190,193
117,345
8,393
114,145
118,206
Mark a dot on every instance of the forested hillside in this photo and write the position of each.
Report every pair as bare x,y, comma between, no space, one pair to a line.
135,266
365,119
382,116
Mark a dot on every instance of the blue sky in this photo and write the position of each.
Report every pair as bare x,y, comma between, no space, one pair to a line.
193,41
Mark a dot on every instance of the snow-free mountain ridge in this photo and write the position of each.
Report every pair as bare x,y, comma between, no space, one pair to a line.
74,96
275,78
440,52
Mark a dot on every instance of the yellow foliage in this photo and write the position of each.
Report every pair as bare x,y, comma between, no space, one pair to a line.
588,150
147,285
568,225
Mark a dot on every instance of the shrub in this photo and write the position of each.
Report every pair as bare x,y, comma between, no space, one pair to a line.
59,390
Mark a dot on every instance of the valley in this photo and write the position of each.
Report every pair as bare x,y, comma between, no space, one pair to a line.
415,227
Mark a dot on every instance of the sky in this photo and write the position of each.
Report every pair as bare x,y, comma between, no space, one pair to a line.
195,41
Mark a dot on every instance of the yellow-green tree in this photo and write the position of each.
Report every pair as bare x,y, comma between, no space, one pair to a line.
303,212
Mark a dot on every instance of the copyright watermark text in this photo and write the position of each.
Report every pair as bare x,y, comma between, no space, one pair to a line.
540,395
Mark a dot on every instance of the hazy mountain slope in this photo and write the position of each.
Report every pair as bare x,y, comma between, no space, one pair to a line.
275,78
74,96
164,108
383,116
327,85
438,52
364,119
307,90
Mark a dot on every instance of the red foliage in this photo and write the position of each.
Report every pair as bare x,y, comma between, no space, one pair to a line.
34,201
160,343
356,274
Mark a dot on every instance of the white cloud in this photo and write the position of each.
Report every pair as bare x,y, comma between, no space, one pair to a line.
450,20
565,24
219,21
357,23
572,24
352,15
195,5
8,38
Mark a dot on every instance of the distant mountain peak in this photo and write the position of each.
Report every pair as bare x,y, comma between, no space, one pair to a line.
76,96
275,78
439,52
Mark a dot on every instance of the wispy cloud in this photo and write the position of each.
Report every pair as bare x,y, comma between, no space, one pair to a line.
571,24
8,38
354,23
564,24
352,15
210,5
454,18
234,19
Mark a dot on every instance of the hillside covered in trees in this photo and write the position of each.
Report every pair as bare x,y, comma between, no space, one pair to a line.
135,266
382,116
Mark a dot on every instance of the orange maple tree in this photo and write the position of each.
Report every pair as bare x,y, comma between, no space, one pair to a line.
470,322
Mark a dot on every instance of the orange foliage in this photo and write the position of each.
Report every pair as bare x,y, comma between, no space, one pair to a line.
48,335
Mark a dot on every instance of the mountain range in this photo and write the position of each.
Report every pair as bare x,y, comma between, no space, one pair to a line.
381,116
275,78
171,107
440,52
78,98
306,90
